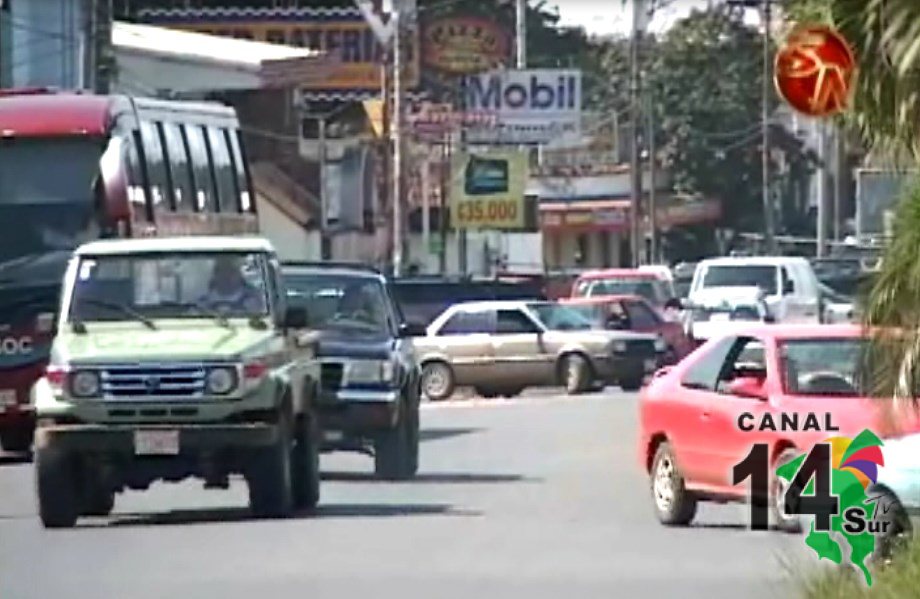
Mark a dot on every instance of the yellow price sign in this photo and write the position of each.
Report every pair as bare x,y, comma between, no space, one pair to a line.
487,190
488,213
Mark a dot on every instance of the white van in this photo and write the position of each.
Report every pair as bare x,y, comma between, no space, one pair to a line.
789,284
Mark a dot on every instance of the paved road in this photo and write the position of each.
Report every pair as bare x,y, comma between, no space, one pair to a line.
534,498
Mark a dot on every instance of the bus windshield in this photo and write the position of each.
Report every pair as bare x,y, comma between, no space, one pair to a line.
46,199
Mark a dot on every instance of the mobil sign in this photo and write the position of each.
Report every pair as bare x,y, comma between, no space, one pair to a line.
530,106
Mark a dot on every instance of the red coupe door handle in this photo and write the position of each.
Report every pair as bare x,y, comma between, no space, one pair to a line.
706,414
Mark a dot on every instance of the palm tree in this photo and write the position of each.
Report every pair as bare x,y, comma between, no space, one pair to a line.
885,36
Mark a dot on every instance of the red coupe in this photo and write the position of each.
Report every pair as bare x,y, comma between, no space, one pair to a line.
787,386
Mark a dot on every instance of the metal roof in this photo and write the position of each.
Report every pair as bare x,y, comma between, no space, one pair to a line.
204,243
201,47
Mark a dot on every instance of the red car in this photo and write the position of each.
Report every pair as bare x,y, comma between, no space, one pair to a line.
771,384
627,281
635,313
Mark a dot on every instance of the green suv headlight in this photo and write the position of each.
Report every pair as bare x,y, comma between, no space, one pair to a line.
220,380
84,383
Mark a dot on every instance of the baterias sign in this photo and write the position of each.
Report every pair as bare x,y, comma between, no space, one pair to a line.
464,45
340,32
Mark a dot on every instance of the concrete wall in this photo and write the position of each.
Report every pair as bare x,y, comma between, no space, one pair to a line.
291,241
47,43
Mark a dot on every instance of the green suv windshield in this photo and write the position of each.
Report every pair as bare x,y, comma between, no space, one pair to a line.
168,285
340,303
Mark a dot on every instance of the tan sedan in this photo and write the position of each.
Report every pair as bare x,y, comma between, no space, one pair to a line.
501,347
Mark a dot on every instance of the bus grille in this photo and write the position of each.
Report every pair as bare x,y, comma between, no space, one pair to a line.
168,380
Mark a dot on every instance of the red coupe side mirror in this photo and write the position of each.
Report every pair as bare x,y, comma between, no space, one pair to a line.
748,386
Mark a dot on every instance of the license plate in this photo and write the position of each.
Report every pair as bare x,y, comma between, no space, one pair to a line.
156,442
7,398
650,365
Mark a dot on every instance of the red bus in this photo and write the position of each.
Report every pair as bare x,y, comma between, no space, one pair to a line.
77,167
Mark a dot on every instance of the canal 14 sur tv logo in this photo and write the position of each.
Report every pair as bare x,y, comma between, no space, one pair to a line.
831,483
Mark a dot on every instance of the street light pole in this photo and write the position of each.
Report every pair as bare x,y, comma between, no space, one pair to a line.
635,162
397,148
769,227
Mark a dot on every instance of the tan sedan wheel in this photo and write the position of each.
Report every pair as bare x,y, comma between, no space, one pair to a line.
576,376
437,380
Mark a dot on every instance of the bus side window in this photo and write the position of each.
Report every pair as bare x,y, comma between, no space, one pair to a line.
156,169
179,167
239,166
223,171
204,193
137,178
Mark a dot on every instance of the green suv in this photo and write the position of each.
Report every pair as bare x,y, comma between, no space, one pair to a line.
176,358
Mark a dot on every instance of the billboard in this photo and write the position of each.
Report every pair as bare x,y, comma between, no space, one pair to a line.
487,190
877,194
531,106
465,45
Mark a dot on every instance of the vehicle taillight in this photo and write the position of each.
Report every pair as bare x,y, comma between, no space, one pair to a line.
254,370
56,375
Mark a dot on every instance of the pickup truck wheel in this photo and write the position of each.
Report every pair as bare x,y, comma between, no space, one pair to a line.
674,505
305,465
56,487
632,383
17,439
97,501
575,374
396,450
269,478
437,380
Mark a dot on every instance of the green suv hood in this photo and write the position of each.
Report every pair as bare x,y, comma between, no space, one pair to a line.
175,340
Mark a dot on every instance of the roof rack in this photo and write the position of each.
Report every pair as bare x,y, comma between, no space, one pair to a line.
330,264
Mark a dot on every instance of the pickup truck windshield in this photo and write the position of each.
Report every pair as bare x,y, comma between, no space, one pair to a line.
173,285
762,276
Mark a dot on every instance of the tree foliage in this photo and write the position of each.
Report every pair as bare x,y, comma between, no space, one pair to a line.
703,80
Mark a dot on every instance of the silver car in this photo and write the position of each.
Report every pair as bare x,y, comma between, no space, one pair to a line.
501,347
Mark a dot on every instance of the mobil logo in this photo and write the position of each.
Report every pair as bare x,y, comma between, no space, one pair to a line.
550,90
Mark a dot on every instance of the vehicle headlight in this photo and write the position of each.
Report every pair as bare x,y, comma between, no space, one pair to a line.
220,380
84,383
370,371
660,345
618,346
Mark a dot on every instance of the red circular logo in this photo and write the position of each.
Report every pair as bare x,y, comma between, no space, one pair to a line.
814,70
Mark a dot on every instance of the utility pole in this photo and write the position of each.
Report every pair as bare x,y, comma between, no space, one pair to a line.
821,225
652,215
520,31
325,245
397,147
102,45
840,178
768,225
635,162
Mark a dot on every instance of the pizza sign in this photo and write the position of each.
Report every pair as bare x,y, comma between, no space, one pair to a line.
465,45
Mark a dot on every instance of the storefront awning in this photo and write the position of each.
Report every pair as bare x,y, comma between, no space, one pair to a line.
585,216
